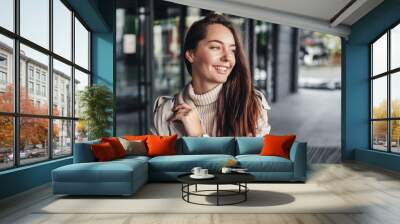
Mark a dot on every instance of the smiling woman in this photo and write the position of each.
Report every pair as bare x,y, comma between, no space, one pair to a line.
220,99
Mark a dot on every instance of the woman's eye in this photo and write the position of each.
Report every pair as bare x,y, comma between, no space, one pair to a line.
214,47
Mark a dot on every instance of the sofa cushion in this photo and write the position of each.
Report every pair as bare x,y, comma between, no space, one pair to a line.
116,145
83,152
275,145
135,137
207,145
161,145
185,163
132,158
103,152
257,163
134,147
248,145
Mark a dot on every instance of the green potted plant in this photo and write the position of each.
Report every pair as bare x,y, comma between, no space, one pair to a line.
96,102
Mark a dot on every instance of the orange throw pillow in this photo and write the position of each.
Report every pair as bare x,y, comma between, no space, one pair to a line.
116,145
161,145
103,151
275,145
136,137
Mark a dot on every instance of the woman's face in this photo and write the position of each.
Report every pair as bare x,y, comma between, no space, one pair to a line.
214,57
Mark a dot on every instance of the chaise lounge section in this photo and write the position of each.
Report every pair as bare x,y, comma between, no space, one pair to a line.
88,177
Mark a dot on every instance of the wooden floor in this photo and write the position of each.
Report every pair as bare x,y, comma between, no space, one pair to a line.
377,188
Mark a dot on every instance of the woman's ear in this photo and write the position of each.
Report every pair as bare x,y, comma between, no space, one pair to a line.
189,55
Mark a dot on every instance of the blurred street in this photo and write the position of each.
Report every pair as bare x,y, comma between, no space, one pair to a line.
313,115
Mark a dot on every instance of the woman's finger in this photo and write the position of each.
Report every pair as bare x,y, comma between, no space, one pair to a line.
179,115
182,106
183,110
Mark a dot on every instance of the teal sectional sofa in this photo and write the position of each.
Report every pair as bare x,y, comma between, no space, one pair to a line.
125,176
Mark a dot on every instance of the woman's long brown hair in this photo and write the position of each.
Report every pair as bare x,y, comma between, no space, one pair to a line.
238,109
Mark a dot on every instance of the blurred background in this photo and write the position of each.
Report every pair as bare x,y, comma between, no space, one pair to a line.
298,70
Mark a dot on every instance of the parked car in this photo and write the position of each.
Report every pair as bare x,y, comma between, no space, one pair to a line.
22,155
314,83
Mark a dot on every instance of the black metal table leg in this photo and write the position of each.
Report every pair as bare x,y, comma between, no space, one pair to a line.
217,194
188,189
245,193
182,190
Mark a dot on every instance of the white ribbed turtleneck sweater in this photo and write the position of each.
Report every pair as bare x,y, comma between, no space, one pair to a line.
206,105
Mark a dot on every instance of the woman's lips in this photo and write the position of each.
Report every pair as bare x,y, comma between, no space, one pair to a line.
221,69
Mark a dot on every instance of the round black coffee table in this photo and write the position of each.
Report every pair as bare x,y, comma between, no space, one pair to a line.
238,179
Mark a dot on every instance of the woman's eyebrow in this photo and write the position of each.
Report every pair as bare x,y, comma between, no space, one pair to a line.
218,41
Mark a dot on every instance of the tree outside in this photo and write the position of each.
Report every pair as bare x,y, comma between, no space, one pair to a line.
81,130
33,131
379,128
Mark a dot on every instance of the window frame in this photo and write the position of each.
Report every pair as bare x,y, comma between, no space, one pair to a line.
16,114
388,74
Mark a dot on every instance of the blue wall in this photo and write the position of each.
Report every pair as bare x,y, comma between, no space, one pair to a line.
102,57
356,95
103,52
24,178
99,16
103,46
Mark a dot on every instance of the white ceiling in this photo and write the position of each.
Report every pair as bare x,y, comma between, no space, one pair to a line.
321,9
305,14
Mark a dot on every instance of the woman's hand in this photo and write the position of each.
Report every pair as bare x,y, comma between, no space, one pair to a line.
190,119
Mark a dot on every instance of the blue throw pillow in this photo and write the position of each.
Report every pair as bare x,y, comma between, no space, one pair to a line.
249,145
208,145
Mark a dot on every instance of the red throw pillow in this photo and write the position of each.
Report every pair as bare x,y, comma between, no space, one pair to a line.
103,151
161,145
116,145
277,145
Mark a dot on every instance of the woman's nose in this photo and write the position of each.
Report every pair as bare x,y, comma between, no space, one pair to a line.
227,55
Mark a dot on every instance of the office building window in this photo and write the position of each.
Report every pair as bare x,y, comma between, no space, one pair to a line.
3,61
37,74
3,72
385,94
3,78
30,87
43,90
38,89
30,72
54,129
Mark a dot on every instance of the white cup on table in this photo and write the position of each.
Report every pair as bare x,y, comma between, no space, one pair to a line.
196,170
203,172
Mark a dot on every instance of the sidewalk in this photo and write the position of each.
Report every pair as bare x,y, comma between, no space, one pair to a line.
315,117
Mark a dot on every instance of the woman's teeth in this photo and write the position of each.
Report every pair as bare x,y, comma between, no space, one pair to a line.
222,69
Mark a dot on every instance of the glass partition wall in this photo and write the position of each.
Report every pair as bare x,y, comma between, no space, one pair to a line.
133,70
149,42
